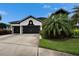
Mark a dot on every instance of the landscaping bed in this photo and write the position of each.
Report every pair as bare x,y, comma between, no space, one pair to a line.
70,45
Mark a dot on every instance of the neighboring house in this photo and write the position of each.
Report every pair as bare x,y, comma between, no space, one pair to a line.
60,11
29,24
77,25
4,26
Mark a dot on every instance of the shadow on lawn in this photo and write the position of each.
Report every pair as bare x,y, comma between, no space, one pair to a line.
60,39
63,39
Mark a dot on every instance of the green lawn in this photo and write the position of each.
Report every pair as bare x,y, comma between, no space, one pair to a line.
69,46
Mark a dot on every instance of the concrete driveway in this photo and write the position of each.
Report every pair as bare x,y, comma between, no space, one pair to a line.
25,44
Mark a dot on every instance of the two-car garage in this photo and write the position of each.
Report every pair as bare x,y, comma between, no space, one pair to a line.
27,29
29,24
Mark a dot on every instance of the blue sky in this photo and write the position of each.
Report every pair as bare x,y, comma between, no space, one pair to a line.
18,11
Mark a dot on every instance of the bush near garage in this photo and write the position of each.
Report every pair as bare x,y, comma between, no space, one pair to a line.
4,32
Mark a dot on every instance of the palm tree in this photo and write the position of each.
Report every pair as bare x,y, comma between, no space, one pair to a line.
0,17
75,17
3,25
76,9
57,26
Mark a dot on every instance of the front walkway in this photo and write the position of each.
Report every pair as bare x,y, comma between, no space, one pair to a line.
24,45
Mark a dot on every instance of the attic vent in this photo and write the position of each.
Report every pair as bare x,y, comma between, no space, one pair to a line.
30,22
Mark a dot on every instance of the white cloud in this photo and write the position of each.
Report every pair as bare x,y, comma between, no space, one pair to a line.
50,7
3,12
55,8
46,6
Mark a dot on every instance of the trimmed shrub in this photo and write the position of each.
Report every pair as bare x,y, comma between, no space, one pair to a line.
76,32
3,32
44,34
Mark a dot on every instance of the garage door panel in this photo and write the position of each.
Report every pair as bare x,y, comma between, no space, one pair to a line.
31,29
16,29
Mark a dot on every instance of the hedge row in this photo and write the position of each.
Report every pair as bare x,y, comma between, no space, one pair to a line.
3,32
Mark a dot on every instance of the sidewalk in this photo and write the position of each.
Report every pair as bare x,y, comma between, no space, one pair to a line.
48,52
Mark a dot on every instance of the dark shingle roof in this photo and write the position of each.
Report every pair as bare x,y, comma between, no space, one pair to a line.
60,11
15,22
42,18
19,21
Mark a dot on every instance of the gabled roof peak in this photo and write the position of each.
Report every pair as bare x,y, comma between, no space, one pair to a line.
61,10
19,21
30,16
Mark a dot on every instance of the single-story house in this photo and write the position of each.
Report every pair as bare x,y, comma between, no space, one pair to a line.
29,24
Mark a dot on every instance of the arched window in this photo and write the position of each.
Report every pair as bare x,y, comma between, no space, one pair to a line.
30,22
